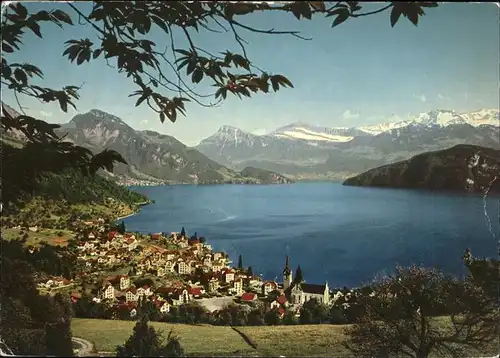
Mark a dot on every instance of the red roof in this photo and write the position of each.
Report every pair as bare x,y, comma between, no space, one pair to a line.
155,236
248,296
281,311
145,287
281,299
112,234
132,289
195,291
76,295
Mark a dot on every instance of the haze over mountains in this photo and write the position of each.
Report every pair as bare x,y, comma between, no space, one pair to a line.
306,151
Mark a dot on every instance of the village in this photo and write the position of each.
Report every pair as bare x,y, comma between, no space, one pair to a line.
172,269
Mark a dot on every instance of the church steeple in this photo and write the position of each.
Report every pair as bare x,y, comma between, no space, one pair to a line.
287,275
286,270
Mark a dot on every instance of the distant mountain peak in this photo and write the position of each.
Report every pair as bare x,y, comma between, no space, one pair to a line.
105,116
229,129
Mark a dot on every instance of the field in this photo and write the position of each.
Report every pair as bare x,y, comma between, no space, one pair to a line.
195,339
202,340
205,340
35,238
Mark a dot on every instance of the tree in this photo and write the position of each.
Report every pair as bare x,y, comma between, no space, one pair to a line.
58,339
122,30
299,277
30,322
121,228
400,319
337,315
240,262
256,317
313,312
272,317
289,318
145,341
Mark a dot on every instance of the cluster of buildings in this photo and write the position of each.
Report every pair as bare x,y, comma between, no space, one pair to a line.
106,251
183,269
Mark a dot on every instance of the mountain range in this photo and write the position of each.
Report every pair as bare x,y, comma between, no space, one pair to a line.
305,151
152,156
297,151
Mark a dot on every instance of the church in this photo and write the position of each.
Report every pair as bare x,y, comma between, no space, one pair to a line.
301,292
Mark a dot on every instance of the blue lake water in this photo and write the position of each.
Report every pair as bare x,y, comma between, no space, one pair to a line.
343,235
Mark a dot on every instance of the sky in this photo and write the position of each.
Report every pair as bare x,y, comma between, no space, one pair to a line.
360,73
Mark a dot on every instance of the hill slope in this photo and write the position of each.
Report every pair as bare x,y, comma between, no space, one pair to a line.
462,168
58,196
265,176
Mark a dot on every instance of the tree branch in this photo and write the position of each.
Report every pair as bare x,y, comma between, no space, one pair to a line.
372,12
270,32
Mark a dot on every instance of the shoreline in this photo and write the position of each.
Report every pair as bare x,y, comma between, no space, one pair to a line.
140,205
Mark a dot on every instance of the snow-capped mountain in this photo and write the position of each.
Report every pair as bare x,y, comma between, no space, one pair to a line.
301,145
440,118
230,145
312,133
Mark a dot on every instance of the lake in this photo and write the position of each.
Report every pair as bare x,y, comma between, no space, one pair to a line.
343,235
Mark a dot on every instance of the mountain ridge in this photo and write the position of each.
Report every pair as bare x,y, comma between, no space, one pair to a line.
309,151
460,168
149,154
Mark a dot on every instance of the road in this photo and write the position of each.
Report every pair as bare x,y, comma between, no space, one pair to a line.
85,347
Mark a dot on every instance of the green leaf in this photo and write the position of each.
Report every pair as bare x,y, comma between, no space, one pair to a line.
20,76
184,52
283,81
6,47
141,99
221,92
160,23
63,104
32,69
62,16
306,10
395,14
97,53
81,58
275,83
343,16
413,16
35,28
296,10
20,10
341,8
41,16
182,64
172,115
240,61
197,76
